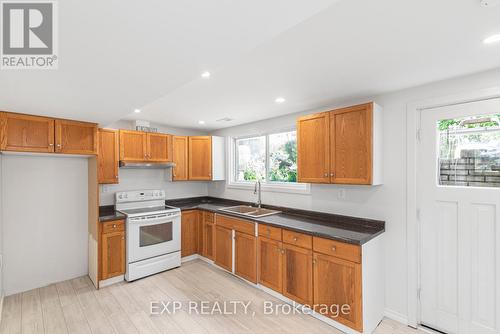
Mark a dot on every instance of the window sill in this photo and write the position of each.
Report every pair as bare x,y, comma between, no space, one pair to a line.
298,188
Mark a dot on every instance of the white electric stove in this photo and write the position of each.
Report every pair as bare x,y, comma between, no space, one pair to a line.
153,232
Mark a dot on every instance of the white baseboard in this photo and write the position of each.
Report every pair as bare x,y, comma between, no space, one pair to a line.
396,316
190,258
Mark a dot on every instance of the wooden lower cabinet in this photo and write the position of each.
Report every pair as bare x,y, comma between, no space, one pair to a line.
112,249
337,283
208,240
189,233
297,274
245,256
223,250
270,263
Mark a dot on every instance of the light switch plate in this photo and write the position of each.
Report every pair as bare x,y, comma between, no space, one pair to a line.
342,194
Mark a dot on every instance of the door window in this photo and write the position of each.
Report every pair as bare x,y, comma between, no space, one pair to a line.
469,151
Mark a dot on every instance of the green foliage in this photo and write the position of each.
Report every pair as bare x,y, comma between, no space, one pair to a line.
449,124
250,174
283,163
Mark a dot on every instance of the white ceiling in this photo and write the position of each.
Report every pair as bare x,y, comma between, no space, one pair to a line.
150,54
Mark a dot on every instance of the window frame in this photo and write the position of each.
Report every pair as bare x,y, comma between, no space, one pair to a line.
267,186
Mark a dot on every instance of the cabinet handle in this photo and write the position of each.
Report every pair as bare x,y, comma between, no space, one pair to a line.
51,144
332,174
116,177
334,248
114,225
123,238
326,174
314,261
282,251
295,239
58,145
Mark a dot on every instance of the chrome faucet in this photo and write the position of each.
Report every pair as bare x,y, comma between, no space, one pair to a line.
258,190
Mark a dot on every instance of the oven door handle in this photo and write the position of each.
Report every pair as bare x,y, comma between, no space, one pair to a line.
153,219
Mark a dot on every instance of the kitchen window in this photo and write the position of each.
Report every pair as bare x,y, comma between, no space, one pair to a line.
270,158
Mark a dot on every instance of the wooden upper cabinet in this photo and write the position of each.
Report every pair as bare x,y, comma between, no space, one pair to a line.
297,274
133,145
245,256
338,282
200,158
159,147
341,146
75,137
180,158
26,133
107,156
313,148
351,145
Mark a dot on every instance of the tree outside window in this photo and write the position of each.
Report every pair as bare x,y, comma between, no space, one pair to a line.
270,158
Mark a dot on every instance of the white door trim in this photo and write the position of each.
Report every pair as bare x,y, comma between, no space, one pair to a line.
413,111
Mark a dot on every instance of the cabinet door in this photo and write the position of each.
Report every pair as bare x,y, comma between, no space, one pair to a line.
208,240
351,145
338,282
270,263
107,155
180,158
159,147
189,233
200,158
313,148
223,250
113,254
245,256
133,145
26,133
74,137
297,274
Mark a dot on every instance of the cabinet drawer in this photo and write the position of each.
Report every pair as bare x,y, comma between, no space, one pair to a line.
236,224
338,249
209,217
297,239
270,232
113,226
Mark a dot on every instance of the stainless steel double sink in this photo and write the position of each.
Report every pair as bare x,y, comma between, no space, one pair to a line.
250,211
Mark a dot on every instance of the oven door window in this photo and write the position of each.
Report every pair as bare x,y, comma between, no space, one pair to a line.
155,234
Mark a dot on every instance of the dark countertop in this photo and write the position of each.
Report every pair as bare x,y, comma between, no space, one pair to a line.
107,213
337,227
343,228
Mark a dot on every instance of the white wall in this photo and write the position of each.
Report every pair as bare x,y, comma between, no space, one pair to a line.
386,202
135,179
44,220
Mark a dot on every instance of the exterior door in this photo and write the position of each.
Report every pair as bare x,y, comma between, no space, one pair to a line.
459,204
313,148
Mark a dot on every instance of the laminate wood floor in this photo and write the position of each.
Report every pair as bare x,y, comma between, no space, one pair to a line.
75,306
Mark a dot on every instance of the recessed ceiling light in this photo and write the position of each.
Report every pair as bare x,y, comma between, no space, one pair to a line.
205,75
137,111
280,100
492,39
201,122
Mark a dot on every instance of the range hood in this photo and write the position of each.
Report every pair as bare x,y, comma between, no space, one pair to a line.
146,164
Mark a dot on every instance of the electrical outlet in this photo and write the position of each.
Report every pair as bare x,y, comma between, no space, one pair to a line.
105,188
341,195
490,3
